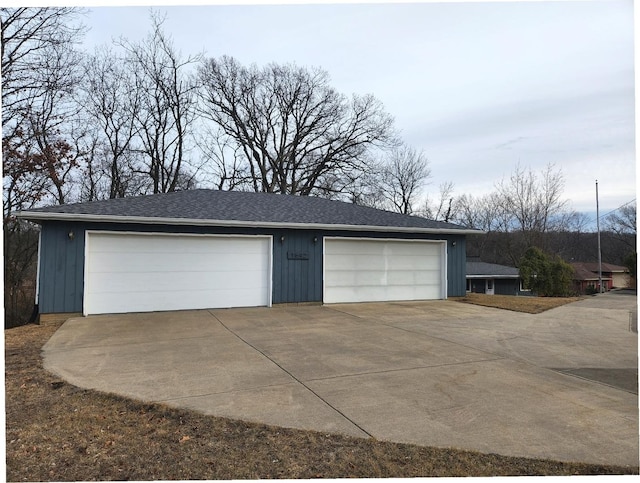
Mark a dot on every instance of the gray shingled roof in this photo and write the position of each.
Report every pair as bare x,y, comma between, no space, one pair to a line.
479,269
237,208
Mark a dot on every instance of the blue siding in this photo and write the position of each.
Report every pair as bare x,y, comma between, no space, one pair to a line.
456,266
506,286
62,268
297,260
501,286
297,266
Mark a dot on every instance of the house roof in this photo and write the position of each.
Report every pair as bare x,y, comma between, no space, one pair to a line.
236,208
580,273
606,267
589,270
477,269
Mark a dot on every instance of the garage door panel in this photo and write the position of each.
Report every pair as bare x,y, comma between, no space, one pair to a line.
345,278
409,277
414,292
377,247
125,262
119,282
174,300
377,293
139,273
388,281
359,270
381,262
168,244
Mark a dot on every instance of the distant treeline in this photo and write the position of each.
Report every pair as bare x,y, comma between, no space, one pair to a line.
507,248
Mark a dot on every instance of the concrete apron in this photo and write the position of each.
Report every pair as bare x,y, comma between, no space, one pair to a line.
437,373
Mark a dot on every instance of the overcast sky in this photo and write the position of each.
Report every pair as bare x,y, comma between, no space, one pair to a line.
480,87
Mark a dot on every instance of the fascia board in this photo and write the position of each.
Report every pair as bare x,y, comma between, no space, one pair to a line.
493,276
38,216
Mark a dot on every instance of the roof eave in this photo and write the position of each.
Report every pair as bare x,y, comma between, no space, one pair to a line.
39,216
492,276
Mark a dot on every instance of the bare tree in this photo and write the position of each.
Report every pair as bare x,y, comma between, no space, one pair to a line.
222,160
623,220
573,221
111,103
27,38
364,188
480,212
444,208
484,213
527,202
166,107
528,207
293,132
38,146
38,77
50,120
534,202
20,258
23,184
621,230
402,177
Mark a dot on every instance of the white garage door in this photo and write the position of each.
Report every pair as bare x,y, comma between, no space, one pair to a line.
367,270
154,272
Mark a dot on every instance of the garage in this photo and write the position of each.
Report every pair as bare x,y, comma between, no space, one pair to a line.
200,249
374,270
134,272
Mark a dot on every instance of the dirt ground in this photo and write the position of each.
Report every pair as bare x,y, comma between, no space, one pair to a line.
58,432
530,305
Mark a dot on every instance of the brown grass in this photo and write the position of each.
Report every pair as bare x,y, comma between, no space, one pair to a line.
530,305
56,431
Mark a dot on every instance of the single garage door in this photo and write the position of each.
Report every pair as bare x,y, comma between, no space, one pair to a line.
369,270
155,272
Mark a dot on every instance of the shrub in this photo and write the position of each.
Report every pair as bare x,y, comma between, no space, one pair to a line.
591,290
545,275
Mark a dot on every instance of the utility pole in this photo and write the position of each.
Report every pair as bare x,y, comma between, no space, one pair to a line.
599,251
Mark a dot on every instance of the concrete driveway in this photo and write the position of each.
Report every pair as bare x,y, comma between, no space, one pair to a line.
559,385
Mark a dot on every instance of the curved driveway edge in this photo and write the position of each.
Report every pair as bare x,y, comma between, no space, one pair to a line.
437,373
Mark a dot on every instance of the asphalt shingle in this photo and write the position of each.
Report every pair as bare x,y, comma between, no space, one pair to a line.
255,208
491,269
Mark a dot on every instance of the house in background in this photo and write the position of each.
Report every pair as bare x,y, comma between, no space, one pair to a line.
586,276
212,249
491,278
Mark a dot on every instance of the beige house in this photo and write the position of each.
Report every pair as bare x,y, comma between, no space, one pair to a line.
587,275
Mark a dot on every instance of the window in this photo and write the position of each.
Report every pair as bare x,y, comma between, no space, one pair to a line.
523,288
490,284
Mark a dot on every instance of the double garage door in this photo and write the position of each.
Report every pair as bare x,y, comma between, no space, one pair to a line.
155,272
367,270
126,272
